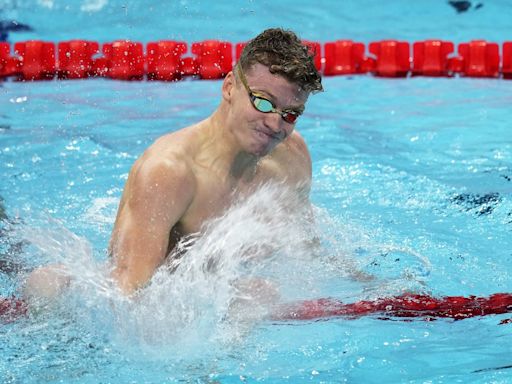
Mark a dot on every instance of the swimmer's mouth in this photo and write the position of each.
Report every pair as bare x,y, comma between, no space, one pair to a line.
270,134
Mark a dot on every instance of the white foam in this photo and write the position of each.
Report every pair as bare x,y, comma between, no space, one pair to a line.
224,282
216,284
102,211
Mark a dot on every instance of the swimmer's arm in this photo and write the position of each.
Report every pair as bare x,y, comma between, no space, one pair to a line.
305,171
314,243
156,196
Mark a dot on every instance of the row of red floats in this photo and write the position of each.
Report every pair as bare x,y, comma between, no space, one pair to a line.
212,59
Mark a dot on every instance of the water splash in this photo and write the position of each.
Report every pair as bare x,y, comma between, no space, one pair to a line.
214,286
217,284
228,277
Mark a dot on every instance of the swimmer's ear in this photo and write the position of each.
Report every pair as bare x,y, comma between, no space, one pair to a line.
228,86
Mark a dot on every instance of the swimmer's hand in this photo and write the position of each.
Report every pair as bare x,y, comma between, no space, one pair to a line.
45,284
349,267
254,299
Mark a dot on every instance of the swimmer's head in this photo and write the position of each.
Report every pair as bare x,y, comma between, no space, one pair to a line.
285,55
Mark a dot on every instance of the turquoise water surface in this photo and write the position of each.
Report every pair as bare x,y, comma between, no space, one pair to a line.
412,184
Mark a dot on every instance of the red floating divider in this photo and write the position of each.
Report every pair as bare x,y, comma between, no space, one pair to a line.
189,66
214,58
479,59
7,63
164,60
407,305
507,60
76,59
454,307
430,58
124,61
36,60
393,58
12,309
344,57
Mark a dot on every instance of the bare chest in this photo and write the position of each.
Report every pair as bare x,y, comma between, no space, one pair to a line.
214,196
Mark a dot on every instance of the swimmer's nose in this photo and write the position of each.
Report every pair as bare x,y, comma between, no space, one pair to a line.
274,123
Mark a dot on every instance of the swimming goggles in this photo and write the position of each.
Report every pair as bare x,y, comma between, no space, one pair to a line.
266,106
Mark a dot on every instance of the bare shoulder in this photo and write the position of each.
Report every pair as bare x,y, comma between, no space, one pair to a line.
298,149
293,148
164,167
291,160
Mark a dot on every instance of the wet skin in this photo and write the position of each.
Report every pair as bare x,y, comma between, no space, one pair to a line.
190,176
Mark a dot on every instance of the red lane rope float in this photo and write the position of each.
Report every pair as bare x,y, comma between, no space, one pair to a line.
507,61
12,309
212,59
408,305
431,58
454,307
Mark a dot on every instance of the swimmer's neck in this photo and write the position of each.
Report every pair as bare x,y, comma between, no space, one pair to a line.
221,150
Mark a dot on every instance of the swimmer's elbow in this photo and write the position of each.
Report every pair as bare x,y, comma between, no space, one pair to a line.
128,283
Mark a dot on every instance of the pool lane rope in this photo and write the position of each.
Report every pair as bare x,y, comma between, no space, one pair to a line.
164,61
168,60
403,306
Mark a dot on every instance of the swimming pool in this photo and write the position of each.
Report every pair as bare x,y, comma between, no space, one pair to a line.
412,183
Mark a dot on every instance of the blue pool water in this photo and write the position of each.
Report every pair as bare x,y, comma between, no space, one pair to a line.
412,184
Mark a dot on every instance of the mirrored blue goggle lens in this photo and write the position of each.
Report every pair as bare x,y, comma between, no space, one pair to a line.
262,105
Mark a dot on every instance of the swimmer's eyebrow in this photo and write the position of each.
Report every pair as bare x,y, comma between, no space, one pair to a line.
296,108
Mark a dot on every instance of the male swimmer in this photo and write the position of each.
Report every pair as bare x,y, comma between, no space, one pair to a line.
193,175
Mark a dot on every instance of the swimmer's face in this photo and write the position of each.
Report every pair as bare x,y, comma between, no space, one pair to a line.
257,131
